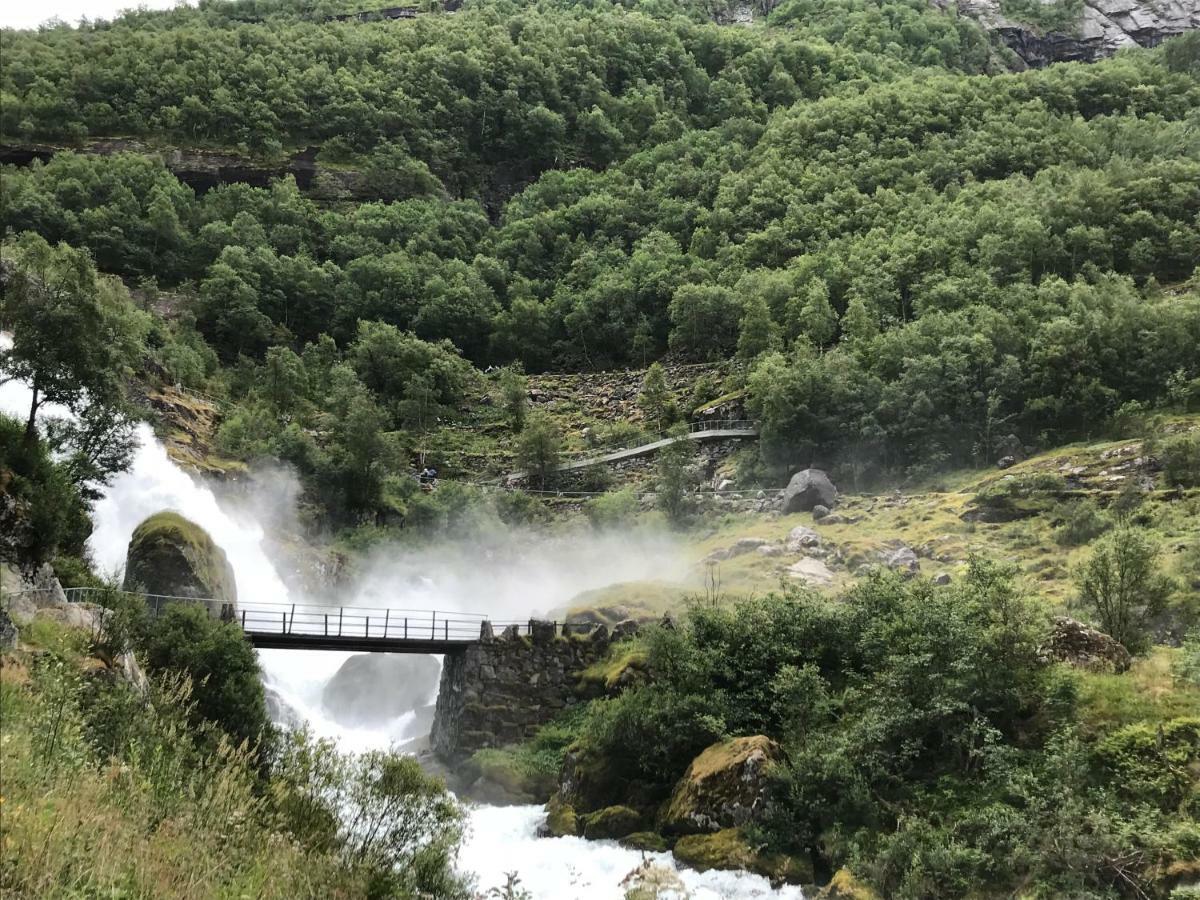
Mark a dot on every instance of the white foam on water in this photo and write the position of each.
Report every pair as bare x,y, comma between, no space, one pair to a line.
504,839
500,839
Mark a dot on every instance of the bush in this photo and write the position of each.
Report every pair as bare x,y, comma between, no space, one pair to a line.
1122,586
613,510
1082,523
1180,458
227,687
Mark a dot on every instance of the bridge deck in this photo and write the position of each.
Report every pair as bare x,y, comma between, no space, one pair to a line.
298,626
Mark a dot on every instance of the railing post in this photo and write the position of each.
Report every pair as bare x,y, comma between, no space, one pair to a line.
433,626
446,629
367,628
243,620
293,619
284,629
326,624
386,615
339,621
406,628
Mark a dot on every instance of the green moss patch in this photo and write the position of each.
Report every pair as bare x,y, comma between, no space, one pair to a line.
169,554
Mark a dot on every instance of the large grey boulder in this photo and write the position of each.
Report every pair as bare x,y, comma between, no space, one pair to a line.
807,489
376,688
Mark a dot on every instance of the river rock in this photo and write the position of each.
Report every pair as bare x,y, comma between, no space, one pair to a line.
724,787
808,489
611,822
1084,647
377,688
171,555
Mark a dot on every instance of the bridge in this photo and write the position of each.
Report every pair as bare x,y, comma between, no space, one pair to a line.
359,629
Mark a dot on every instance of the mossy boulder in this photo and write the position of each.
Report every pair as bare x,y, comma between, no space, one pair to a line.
561,820
611,822
724,787
171,555
650,841
729,849
845,886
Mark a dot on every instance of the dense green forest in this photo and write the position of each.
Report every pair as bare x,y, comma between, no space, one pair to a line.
905,255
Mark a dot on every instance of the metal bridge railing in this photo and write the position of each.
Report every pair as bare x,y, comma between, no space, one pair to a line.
317,620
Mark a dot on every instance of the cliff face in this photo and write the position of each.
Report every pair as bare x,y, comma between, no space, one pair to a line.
1104,27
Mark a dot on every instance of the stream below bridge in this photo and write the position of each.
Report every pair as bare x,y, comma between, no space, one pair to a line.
500,839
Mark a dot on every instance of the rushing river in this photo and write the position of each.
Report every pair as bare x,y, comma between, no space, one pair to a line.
500,839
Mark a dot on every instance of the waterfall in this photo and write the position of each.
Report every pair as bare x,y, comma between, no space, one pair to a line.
500,839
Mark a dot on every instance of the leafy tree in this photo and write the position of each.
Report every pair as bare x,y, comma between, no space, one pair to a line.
817,317
704,320
758,332
226,682
1121,583
286,378
655,399
671,485
539,447
514,391
74,333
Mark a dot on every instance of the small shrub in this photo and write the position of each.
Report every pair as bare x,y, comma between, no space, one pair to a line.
1180,458
613,510
1082,523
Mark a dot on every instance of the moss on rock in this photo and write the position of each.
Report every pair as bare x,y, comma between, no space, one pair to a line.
611,822
845,886
561,820
171,555
729,849
650,841
725,786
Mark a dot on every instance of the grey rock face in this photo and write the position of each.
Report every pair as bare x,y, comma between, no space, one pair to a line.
1105,27
808,489
903,559
374,688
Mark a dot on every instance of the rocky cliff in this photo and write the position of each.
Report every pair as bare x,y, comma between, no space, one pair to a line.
1103,27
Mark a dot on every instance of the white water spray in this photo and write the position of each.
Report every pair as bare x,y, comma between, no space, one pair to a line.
500,839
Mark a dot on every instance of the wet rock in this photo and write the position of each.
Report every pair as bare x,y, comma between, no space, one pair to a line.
541,631
808,489
1084,647
820,512
378,688
173,556
942,578
486,633
729,849
279,711
725,786
611,822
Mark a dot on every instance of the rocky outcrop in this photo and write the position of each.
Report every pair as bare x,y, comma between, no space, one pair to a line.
724,787
808,489
375,688
499,691
1103,28
175,557
1084,647
8,631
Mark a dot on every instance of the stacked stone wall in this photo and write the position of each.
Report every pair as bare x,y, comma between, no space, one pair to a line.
501,690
